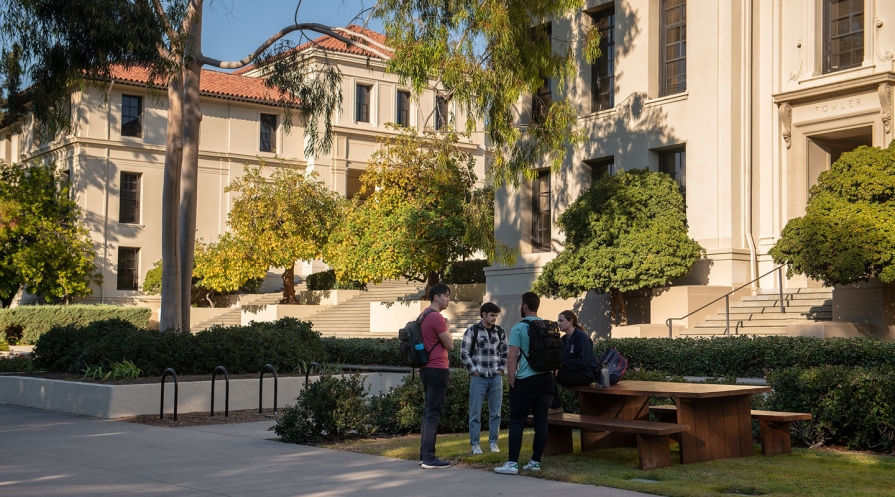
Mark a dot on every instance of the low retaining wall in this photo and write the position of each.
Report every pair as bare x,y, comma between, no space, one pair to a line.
117,401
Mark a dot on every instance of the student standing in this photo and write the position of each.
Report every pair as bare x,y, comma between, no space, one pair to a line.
434,374
484,353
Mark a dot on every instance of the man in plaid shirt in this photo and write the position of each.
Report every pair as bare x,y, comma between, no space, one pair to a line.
484,353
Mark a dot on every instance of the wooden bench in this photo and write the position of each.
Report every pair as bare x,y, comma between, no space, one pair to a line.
774,425
653,445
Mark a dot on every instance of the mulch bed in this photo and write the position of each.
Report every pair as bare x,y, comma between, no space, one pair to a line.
153,379
203,418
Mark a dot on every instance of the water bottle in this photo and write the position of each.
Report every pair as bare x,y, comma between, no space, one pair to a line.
604,375
421,354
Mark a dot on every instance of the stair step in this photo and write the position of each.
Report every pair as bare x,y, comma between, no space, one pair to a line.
786,303
812,315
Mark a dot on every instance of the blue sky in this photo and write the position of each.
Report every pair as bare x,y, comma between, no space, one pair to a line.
234,28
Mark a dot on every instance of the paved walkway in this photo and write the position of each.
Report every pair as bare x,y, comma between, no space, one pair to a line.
46,453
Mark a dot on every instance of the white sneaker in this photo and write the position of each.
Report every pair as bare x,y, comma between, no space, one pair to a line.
532,466
495,448
476,449
508,468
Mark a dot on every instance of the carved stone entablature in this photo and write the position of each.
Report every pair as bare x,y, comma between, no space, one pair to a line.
885,105
785,112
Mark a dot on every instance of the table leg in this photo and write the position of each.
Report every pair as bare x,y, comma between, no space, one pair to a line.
720,428
611,406
559,440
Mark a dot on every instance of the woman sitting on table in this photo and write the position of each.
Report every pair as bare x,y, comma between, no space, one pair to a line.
579,363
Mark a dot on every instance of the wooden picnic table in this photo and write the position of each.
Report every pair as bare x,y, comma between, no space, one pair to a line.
718,417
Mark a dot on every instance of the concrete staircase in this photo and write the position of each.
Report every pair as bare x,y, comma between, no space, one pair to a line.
760,314
352,318
233,315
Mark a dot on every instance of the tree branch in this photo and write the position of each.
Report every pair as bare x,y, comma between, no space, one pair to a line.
315,27
160,12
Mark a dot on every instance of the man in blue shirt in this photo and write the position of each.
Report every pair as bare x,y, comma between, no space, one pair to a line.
531,391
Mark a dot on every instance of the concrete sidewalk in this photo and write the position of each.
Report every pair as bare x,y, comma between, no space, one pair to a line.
46,453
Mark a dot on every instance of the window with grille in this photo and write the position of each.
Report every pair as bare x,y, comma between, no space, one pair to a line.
129,202
540,229
128,268
402,109
600,168
673,54
674,163
441,113
362,103
843,34
603,70
268,133
131,116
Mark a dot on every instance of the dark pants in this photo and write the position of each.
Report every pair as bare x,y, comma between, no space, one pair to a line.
530,395
568,378
435,383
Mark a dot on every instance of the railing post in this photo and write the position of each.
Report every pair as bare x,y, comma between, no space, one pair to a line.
780,281
727,310
227,390
161,409
261,387
308,372
668,323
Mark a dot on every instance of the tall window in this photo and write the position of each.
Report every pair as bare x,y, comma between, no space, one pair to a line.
441,113
268,133
843,34
600,168
540,216
674,163
674,47
402,109
540,101
603,70
128,268
362,103
131,116
129,205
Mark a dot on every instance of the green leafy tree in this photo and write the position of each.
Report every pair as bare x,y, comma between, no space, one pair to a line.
848,231
483,55
43,246
276,221
626,232
418,211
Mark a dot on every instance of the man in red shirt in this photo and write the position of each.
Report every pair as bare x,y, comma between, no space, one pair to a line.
434,374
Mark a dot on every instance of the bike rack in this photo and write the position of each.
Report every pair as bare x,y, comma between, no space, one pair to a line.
261,387
308,372
161,409
227,391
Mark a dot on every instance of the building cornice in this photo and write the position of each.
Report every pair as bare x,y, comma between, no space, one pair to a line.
862,84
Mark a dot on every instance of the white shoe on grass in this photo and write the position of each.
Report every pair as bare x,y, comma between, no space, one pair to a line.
495,448
532,466
508,468
476,449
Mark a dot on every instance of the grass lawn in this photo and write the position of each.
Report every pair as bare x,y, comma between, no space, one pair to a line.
805,472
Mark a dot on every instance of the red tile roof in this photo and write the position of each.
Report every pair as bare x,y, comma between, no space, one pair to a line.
327,42
211,83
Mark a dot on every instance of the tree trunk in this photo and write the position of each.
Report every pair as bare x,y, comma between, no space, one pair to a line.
618,312
433,279
192,115
171,311
289,285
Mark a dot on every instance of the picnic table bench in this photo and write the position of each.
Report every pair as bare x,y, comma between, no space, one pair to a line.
774,425
653,444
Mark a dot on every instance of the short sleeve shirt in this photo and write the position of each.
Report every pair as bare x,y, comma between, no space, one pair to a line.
519,338
432,326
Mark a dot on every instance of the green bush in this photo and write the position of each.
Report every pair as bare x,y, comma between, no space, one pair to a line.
326,280
375,351
34,321
465,272
331,408
286,344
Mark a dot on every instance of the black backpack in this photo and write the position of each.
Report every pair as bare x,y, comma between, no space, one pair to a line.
616,363
412,348
544,345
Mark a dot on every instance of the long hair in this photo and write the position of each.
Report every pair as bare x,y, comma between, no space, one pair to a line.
573,318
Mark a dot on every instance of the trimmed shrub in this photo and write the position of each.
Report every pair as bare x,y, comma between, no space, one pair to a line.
331,408
30,322
465,272
286,344
326,280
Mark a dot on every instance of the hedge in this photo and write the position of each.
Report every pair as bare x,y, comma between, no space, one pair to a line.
326,280
28,323
374,352
287,344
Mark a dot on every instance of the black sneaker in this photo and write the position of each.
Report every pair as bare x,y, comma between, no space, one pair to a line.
435,464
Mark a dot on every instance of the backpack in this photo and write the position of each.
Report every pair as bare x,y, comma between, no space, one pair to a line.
616,363
412,348
544,345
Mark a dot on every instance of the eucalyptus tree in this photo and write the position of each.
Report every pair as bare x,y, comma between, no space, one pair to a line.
482,54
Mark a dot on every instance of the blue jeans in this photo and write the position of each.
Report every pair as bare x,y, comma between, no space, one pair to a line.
479,388
435,384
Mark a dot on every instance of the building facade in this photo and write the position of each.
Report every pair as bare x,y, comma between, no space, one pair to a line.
743,102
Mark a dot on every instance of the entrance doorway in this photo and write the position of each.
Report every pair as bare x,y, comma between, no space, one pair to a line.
825,149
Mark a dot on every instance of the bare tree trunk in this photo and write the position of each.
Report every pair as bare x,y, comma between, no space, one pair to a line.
289,285
171,312
618,312
192,115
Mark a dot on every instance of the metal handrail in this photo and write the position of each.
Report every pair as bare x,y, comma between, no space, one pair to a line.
161,409
308,372
726,298
261,387
227,391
